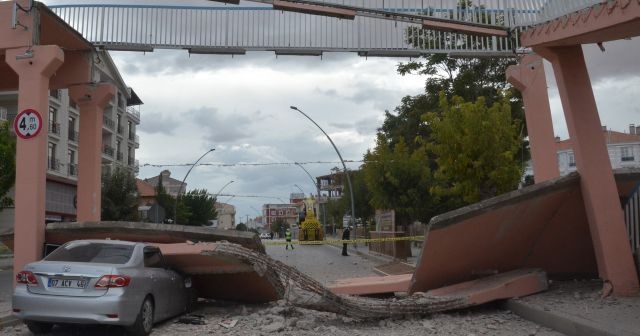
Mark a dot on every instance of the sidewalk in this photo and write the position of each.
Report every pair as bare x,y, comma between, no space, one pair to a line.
6,289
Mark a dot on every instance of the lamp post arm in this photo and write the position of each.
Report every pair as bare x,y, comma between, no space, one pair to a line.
346,172
175,209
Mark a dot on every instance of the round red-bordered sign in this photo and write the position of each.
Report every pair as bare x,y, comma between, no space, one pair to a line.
27,124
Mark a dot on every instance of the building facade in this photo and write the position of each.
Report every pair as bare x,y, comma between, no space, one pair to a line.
171,185
623,148
272,212
120,141
226,216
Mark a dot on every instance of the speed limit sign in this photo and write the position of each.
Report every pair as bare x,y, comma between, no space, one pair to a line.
27,124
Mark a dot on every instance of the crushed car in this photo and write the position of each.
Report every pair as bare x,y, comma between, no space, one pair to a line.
105,282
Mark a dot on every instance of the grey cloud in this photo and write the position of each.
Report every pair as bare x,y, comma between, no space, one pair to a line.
220,128
153,122
620,60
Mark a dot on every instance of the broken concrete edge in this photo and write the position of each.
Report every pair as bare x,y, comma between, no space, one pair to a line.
516,196
570,325
513,197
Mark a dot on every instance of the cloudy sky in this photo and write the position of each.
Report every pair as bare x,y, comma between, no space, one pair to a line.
240,106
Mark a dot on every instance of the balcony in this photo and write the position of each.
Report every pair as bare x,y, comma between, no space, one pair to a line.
54,128
73,136
109,123
73,169
120,129
135,114
108,150
120,156
53,164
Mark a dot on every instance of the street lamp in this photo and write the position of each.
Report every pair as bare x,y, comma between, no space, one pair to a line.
175,208
219,191
353,208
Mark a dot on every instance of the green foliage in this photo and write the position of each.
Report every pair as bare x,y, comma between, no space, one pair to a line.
361,197
197,207
399,179
279,226
241,227
7,163
119,196
476,148
335,209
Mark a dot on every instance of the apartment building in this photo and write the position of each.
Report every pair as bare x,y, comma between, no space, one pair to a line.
226,216
272,212
119,138
623,148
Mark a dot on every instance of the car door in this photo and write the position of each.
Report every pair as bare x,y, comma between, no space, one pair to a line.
160,280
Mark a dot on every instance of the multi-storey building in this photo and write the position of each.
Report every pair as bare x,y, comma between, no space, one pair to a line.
226,216
119,138
623,148
171,185
272,212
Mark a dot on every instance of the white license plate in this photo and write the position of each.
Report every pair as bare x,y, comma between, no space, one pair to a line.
67,283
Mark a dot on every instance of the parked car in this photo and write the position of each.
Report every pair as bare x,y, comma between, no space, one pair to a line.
265,235
101,282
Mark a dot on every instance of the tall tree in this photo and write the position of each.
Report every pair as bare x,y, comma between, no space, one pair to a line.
200,205
7,163
361,197
476,148
119,196
399,179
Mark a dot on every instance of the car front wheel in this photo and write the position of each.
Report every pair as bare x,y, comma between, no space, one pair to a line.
144,322
39,327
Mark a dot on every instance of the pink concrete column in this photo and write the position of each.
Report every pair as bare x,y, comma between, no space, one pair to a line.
529,78
91,100
31,154
604,213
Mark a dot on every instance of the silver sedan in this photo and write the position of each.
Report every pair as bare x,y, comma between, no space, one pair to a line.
100,282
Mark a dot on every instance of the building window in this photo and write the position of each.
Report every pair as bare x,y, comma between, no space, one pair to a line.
71,155
73,135
572,160
54,127
626,154
53,161
119,127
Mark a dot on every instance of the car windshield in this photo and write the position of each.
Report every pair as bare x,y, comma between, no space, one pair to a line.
92,252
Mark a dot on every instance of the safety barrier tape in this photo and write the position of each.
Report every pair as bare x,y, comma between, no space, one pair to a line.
340,241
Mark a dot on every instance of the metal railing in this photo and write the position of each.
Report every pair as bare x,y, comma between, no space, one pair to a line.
235,29
108,150
109,123
73,135
73,169
54,128
53,164
133,112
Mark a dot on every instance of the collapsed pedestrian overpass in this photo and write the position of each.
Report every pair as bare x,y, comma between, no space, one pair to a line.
41,51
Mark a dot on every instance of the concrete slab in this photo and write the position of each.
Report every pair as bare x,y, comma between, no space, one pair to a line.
526,228
371,285
512,284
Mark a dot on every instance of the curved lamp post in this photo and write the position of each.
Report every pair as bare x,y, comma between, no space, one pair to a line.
224,186
353,208
175,208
